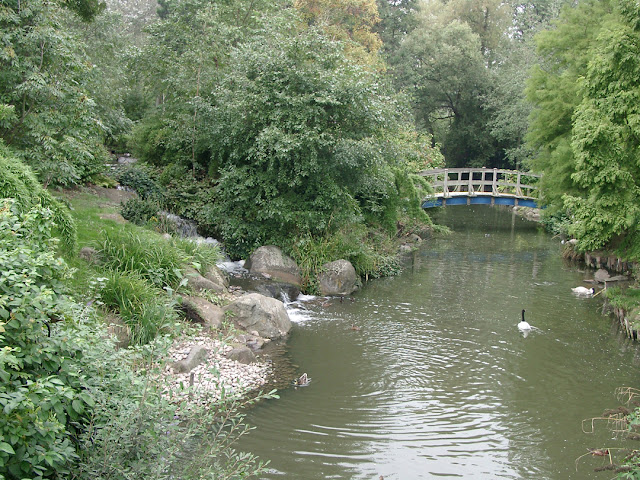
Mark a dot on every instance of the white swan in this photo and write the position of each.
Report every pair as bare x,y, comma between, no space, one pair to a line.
583,291
524,326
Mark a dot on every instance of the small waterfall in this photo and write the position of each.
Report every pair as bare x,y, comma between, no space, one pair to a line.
184,227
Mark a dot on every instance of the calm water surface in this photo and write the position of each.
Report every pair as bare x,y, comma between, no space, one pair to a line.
438,382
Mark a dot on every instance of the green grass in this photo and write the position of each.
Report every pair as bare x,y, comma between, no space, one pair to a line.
146,310
150,256
627,299
134,266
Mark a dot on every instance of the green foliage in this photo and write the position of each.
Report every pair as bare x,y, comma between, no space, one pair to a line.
189,196
158,262
108,81
140,179
18,182
139,211
371,253
627,299
303,140
52,123
181,66
553,89
442,65
606,130
397,19
201,255
146,310
40,393
136,431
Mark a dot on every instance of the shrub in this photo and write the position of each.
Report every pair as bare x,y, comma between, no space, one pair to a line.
139,211
73,406
17,181
139,178
40,396
372,254
135,431
188,196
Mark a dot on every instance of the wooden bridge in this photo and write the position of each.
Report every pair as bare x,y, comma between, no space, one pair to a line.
481,186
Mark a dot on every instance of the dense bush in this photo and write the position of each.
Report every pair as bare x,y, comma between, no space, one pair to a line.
318,149
189,196
75,407
18,182
140,179
41,395
139,211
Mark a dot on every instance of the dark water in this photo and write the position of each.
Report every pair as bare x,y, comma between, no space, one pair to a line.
438,382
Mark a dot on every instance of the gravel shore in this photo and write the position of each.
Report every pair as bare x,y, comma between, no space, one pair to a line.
212,376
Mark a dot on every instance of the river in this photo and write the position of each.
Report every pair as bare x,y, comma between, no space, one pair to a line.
438,381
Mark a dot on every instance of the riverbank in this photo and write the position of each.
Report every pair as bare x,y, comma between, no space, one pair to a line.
618,301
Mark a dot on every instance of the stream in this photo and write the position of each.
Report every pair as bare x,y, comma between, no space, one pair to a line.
425,375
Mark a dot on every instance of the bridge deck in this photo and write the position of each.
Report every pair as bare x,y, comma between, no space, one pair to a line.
481,186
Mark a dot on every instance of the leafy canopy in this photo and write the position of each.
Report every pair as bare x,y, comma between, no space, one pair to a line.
305,138
45,112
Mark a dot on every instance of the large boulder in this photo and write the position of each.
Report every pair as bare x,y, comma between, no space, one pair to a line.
217,276
285,292
199,283
197,355
338,278
202,311
242,355
270,261
264,315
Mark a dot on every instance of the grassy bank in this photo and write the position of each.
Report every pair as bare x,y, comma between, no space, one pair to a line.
74,405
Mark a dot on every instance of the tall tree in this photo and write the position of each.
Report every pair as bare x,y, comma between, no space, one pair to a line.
506,101
397,20
48,116
181,66
553,89
352,22
445,71
308,140
606,137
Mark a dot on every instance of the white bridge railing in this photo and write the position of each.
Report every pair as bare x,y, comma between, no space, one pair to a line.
451,182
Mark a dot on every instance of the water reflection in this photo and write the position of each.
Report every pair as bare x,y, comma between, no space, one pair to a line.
438,381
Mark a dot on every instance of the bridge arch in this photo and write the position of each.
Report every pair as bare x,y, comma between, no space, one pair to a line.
481,186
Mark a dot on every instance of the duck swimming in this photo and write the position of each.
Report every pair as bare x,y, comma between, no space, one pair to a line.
302,381
523,326
583,291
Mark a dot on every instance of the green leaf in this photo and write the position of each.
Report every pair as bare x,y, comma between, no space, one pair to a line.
5,447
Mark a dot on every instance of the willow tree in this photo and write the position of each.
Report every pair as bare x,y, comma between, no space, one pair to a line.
554,90
606,138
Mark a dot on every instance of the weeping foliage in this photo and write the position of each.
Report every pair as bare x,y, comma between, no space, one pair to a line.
17,181
553,89
606,137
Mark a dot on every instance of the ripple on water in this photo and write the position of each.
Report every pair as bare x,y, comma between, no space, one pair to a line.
438,381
